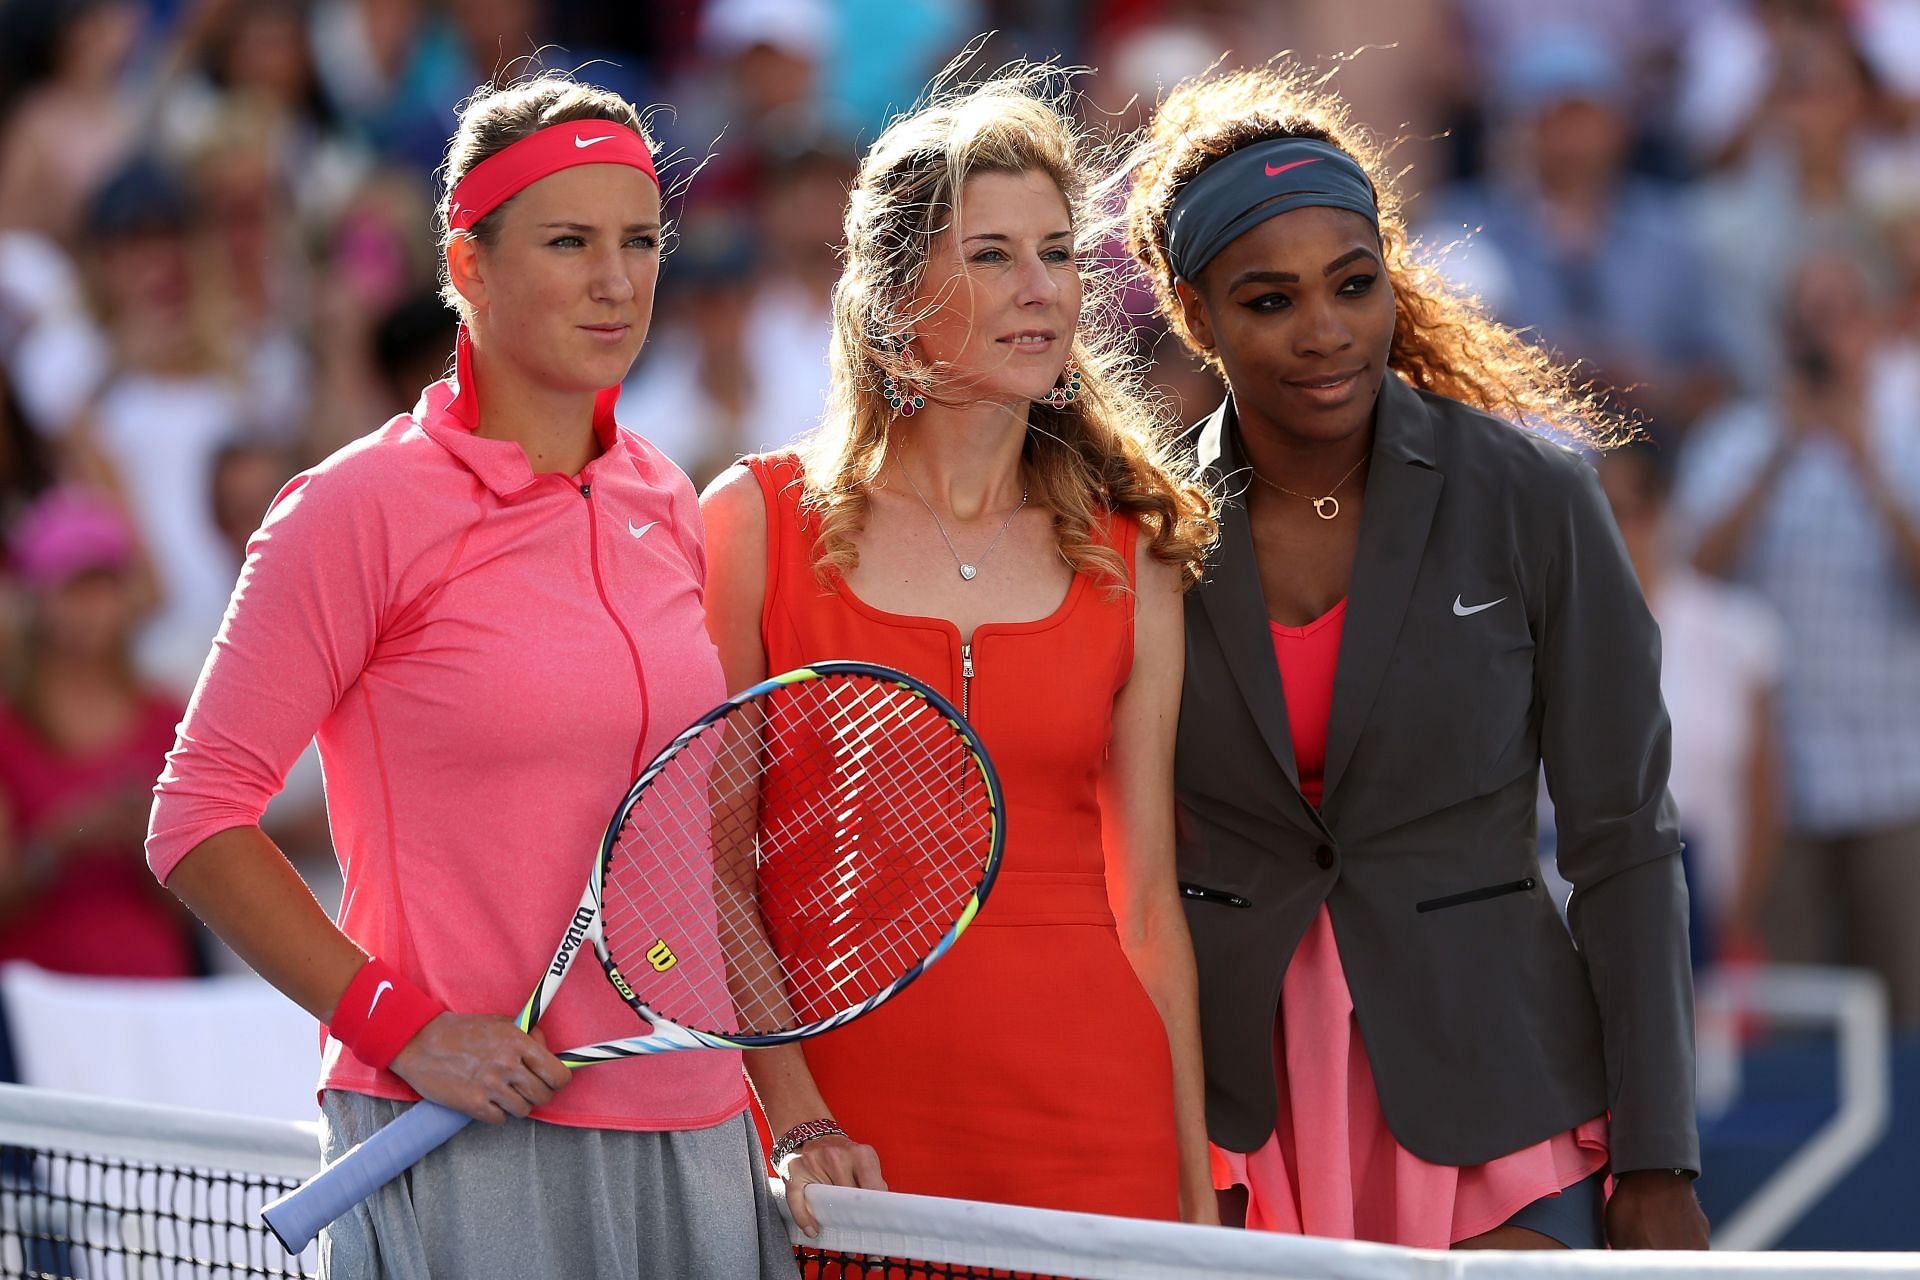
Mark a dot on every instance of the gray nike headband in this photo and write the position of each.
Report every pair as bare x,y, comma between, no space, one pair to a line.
1239,191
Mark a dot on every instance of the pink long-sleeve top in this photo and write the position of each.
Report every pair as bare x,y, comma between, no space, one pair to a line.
487,657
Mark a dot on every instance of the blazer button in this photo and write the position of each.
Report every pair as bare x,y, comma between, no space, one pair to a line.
1323,857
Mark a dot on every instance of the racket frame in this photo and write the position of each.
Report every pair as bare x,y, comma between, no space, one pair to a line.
586,928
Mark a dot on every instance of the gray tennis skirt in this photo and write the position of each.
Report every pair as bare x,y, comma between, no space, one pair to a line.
527,1199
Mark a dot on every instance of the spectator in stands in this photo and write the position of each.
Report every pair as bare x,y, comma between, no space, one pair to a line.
170,387
1811,497
252,60
797,214
1818,143
393,70
81,736
698,392
1563,241
66,121
377,266
252,274
1722,655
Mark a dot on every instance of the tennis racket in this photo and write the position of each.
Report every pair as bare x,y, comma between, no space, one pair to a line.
790,862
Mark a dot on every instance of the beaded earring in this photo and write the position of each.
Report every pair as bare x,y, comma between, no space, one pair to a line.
1067,389
905,398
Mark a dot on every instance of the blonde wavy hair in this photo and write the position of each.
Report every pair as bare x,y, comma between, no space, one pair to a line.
1443,338
1106,451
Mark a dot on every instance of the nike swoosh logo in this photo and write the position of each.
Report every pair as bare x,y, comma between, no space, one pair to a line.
1274,171
1468,610
640,532
379,991
587,142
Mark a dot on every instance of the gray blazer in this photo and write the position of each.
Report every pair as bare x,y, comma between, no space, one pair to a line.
1493,623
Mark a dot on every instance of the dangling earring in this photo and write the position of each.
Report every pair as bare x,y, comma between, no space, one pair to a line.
1067,389
905,398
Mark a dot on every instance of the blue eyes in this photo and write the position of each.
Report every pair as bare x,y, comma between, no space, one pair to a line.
646,242
1052,257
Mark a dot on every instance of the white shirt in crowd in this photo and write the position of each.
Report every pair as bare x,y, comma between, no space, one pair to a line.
1721,647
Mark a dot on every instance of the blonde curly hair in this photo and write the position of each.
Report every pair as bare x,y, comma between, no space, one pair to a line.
1108,450
1443,339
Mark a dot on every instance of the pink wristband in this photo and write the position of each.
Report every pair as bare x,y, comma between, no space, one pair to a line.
380,1012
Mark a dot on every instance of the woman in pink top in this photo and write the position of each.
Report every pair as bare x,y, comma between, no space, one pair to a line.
80,734
1414,607
489,613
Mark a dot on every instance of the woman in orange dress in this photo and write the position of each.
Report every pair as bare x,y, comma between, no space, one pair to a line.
985,505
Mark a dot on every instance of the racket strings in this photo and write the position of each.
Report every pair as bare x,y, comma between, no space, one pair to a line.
901,940
797,857
924,811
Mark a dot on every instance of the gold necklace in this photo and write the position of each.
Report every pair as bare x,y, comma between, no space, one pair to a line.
1326,507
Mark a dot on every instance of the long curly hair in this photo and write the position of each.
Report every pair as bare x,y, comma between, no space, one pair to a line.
1106,451
1443,339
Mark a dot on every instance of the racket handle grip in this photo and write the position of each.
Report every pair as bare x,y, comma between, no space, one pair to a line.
315,1204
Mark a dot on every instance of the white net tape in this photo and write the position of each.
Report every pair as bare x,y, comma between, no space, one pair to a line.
39,1128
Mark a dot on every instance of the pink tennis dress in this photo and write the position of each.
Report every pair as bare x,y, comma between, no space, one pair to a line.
1332,1167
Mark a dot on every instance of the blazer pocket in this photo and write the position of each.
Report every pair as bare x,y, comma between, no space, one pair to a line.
1201,893
1473,895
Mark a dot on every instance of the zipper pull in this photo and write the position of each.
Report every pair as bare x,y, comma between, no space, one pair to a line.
966,660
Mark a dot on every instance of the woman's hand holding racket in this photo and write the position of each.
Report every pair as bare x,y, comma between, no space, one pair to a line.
481,1065
787,864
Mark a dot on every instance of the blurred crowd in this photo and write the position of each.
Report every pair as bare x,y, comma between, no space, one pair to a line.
216,266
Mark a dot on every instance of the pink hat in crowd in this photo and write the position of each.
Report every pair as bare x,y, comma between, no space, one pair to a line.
66,532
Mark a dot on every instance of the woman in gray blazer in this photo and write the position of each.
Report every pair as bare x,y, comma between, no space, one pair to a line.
1418,600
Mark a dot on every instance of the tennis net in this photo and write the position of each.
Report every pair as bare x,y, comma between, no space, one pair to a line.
105,1190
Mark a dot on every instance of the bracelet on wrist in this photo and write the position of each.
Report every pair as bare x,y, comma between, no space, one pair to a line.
380,1011
806,1131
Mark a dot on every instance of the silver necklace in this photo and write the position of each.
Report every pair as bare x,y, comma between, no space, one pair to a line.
969,570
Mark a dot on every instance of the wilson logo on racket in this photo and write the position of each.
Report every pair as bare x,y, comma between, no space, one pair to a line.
661,956
576,934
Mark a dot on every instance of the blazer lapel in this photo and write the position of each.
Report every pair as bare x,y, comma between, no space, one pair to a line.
1403,490
1232,595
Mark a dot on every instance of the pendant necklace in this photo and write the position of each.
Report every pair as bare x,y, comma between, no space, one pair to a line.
1326,507
969,569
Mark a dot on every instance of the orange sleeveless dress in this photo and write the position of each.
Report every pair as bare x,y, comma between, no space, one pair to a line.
1028,1066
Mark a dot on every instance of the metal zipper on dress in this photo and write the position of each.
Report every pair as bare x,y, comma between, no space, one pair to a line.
966,678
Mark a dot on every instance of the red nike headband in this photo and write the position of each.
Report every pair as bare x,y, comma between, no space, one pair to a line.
513,169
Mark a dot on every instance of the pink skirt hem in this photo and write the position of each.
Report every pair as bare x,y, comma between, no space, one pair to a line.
1333,1168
